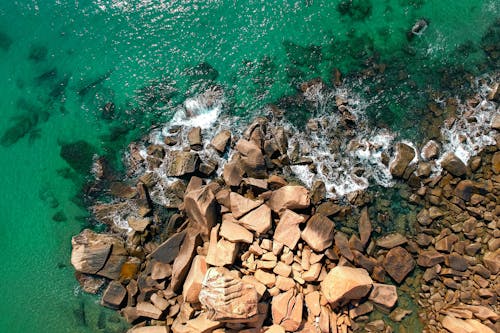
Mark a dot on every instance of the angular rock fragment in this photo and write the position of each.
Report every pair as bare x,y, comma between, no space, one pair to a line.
364,226
220,141
226,297
241,205
194,138
287,310
192,284
180,163
391,240
182,262
114,295
398,263
318,233
258,220
201,208
235,233
289,197
451,163
168,250
252,160
343,284
233,173
288,232
148,310
384,295
404,155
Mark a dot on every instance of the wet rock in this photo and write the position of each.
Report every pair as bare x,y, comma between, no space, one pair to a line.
98,254
365,227
398,263
121,190
179,163
289,197
182,262
168,250
404,155
201,208
318,192
287,310
495,163
430,150
288,231
220,141
194,139
192,285
139,224
342,244
226,297
318,233
258,220
114,295
343,284
453,165
391,240
398,314
384,295
241,205
252,160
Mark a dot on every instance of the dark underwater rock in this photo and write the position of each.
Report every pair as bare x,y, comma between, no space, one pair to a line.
78,155
59,217
5,41
202,71
356,9
38,53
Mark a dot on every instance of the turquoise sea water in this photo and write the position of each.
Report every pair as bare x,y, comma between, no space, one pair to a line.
62,61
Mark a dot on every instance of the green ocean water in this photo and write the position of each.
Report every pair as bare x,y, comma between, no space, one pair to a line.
62,61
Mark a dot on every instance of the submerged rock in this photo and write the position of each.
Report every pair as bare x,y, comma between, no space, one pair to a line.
78,155
180,163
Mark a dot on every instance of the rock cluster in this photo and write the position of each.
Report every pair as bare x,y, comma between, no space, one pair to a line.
250,252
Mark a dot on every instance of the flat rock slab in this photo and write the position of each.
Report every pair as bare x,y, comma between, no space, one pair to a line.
391,240
235,232
201,208
287,310
258,220
180,163
288,231
241,205
168,250
289,197
114,295
384,294
318,233
404,155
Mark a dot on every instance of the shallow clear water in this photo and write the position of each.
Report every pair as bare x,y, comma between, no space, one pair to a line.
61,62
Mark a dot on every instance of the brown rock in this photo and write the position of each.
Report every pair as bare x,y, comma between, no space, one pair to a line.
275,329
318,233
456,325
149,329
252,160
361,310
284,283
342,244
495,163
495,122
160,270
268,279
464,189
220,252
235,233
258,220
286,310
194,138
182,262
201,208
148,310
429,258
202,324
139,224
220,141
384,295
99,254
453,165
169,249
398,314
457,262
430,150
343,284
180,163
492,261
398,263
318,192
232,173
241,205
226,297
391,240
328,209
114,295
192,285
289,197
364,226
288,232
313,304
445,244
404,155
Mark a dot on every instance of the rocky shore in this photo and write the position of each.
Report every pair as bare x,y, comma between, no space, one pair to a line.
212,234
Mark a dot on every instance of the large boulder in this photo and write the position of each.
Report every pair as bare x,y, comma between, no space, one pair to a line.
241,205
454,165
179,163
99,254
403,157
258,220
192,285
318,233
182,262
201,208
220,141
252,159
289,197
168,250
343,284
226,297
114,295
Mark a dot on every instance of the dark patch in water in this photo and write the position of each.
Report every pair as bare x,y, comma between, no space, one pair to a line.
61,265
202,71
49,75
59,217
59,88
108,111
357,9
308,56
79,314
78,155
5,41
38,53
46,195
101,321
89,86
